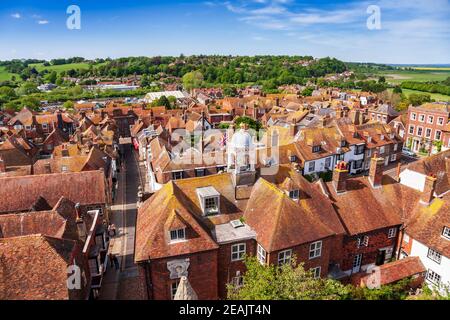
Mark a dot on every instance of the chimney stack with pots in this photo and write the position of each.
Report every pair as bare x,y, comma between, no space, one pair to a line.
340,175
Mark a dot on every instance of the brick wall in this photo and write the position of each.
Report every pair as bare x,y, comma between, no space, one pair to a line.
302,254
202,275
378,239
227,269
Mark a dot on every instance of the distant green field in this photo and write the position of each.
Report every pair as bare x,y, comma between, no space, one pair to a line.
58,68
398,76
435,96
5,76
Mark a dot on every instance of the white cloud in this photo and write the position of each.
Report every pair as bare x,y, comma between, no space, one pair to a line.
43,22
16,15
408,27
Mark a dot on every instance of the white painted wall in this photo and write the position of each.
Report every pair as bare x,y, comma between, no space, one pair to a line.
350,156
319,165
443,269
413,179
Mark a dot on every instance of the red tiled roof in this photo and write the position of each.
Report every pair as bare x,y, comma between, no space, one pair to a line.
19,193
35,267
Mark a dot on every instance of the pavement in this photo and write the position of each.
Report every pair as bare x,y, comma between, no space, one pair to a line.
119,284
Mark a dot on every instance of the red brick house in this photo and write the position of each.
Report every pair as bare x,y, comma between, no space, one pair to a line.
426,124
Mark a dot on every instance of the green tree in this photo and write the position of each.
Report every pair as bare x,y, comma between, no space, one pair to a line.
381,79
52,76
397,89
7,94
286,282
68,105
30,102
192,80
162,102
307,92
27,88
253,124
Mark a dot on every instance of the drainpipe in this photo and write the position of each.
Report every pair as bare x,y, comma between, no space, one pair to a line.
402,231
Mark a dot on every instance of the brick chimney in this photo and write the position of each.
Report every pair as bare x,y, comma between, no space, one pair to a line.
340,175
2,165
428,190
293,128
376,171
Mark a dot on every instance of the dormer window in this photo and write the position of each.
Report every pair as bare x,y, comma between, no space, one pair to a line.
209,200
211,205
293,158
446,233
316,148
177,235
294,194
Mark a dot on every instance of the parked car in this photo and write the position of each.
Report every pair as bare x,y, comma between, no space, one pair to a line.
408,152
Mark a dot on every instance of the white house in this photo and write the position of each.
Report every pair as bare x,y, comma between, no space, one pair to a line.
435,262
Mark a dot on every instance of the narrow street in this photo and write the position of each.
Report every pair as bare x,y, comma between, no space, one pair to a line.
118,284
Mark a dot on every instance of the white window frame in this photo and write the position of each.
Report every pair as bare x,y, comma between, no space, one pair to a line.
433,277
421,131
436,134
177,235
446,232
392,232
413,129
430,119
434,256
428,132
316,272
261,254
238,251
421,116
173,288
395,146
311,166
315,250
393,157
440,121
362,241
211,205
238,281
382,149
413,116
284,256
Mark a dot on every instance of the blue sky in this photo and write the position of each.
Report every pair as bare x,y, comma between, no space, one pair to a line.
412,31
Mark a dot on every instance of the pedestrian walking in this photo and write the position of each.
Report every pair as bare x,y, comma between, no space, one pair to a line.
111,259
116,262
